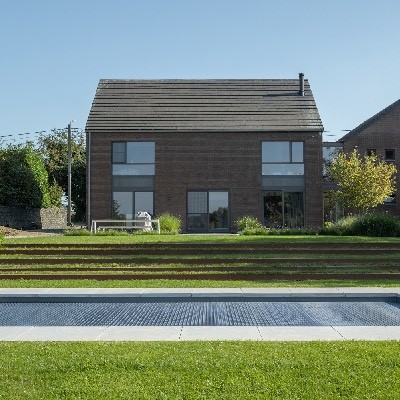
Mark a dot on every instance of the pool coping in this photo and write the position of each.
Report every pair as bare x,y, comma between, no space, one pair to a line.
194,333
339,292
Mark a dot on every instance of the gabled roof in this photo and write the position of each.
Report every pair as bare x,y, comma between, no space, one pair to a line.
203,105
370,121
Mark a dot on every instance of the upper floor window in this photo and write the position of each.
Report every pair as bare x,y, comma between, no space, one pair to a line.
282,158
389,155
133,158
329,152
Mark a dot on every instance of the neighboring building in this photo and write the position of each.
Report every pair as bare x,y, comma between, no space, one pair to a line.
210,151
380,135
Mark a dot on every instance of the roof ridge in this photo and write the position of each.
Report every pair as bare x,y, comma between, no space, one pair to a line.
370,121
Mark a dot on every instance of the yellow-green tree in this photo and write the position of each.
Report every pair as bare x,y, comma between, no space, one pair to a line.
364,182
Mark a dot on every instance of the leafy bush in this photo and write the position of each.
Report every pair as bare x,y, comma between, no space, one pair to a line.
1,238
375,225
23,178
248,223
169,223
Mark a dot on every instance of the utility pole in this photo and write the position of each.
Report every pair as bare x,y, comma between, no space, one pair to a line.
69,222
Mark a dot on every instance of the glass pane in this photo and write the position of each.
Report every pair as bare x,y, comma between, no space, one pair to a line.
275,152
218,209
133,169
297,152
122,205
389,155
140,152
197,222
197,203
130,182
283,169
273,217
118,150
294,209
144,202
328,155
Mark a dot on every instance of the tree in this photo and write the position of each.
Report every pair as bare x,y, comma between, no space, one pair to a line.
363,182
53,149
24,180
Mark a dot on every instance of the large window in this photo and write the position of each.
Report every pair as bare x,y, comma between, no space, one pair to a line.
207,210
282,158
126,205
329,152
283,209
133,168
133,158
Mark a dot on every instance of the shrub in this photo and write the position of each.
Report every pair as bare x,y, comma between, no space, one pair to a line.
248,223
169,223
1,238
376,225
23,178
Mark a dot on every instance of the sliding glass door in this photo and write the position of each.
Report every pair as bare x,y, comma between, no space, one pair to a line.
283,209
207,210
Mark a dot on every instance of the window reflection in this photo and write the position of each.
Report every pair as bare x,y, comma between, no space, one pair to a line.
122,205
283,209
282,158
207,210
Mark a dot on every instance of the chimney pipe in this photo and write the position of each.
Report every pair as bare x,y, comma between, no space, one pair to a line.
301,84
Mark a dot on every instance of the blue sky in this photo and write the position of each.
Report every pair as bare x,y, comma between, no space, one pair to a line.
54,52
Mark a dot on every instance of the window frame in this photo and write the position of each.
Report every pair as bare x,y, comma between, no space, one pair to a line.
125,143
290,162
390,159
207,229
370,152
133,192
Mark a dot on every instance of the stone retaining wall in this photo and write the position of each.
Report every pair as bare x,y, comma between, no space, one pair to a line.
33,218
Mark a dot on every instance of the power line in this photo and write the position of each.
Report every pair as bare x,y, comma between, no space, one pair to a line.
15,135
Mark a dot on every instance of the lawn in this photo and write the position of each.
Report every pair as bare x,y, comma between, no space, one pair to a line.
134,239
194,370
203,266
197,370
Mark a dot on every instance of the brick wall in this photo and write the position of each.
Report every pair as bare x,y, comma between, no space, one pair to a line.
33,218
383,133
206,161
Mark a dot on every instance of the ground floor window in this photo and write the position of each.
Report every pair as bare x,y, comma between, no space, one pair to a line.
283,209
207,210
127,204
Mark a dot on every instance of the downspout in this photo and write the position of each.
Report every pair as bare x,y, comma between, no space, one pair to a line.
88,180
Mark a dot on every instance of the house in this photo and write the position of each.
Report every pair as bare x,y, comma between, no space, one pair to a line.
209,151
379,135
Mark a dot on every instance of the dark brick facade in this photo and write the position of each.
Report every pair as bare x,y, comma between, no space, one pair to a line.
381,132
206,161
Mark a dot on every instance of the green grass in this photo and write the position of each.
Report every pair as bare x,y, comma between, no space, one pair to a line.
199,239
206,370
171,283
203,239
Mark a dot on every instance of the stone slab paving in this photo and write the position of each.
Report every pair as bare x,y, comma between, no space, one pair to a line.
188,333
